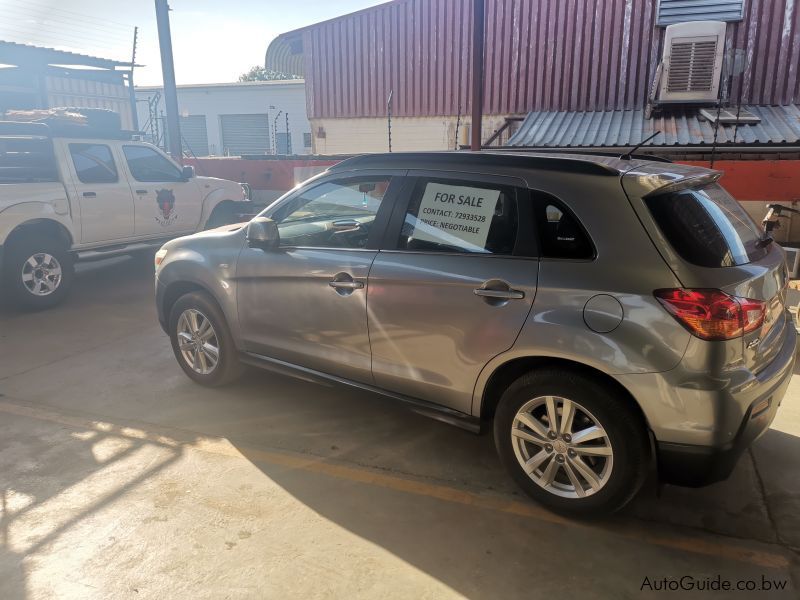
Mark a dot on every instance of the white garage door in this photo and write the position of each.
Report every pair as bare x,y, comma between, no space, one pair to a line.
245,134
195,135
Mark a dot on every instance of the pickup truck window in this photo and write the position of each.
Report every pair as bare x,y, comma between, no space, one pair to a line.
27,160
93,163
148,165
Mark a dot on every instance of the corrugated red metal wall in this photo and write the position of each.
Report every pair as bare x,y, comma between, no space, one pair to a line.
541,55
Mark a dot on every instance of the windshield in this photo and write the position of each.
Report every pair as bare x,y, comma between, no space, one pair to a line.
707,227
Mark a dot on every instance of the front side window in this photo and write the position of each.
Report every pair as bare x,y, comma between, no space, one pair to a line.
148,165
460,216
93,163
707,227
334,214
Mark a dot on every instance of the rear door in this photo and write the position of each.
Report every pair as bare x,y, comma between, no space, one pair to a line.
103,195
719,247
452,285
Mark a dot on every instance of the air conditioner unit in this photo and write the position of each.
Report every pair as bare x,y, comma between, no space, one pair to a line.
692,62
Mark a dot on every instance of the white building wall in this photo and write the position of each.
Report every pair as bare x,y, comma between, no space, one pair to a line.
214,100
354,136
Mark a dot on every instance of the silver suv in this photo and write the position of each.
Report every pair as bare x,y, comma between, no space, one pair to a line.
606,314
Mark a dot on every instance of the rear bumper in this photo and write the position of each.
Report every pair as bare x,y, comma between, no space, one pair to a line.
697,465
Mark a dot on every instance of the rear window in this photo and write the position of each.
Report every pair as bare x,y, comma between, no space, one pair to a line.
27,160
707,227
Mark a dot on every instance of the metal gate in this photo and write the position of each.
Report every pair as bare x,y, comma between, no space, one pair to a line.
245,134
195,135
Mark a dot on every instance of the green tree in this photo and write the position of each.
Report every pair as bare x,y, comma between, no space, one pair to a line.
259,73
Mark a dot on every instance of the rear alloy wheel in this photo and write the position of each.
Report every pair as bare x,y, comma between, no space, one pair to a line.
202,342
562,447
571,441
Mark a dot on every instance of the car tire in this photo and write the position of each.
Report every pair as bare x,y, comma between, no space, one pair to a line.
609,463
198,331
37,272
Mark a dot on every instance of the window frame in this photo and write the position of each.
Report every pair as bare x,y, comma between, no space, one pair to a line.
180,179
526,245
70,146
378,229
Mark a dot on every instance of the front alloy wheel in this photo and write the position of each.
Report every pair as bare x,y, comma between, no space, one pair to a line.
198,341
562,447
41,274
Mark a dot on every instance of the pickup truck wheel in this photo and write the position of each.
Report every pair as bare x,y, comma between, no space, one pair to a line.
202,342
37,272
570,442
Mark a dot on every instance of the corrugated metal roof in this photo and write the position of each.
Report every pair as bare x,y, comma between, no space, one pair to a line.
611,128
12,52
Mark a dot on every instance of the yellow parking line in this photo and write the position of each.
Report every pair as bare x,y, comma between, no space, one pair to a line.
172,437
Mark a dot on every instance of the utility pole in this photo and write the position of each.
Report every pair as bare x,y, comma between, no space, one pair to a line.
478,19
131,91
168,73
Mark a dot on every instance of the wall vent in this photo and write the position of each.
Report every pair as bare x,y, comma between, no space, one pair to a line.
692,62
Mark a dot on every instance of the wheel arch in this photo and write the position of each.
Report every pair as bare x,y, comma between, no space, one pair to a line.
176,290
44,225
509,371
221,206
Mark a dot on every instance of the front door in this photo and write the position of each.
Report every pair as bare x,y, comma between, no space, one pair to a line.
305,303
106,206
165,202
453,286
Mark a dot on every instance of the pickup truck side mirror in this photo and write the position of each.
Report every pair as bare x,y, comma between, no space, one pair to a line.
187,172
263,233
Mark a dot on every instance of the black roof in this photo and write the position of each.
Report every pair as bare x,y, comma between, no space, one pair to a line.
575,163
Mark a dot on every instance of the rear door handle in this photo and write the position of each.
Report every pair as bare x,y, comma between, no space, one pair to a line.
141,192
89,195
500,294
346,285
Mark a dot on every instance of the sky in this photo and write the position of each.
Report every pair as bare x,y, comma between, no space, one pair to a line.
213,41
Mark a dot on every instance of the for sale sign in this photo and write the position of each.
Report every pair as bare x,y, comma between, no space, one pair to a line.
456,216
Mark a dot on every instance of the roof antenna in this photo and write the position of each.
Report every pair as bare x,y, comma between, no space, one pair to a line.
628,155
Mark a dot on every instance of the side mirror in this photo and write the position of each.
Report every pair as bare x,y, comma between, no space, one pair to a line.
263,233
187,172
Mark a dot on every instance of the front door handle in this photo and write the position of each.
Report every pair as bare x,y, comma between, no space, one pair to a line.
346,285
89,195
500,294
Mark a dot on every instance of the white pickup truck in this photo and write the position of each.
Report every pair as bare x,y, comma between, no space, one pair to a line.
64,199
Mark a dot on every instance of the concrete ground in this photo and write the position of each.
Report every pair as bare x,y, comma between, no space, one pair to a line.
120,478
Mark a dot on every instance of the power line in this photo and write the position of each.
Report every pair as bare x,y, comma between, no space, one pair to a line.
82,16
66,40
68,34
51,23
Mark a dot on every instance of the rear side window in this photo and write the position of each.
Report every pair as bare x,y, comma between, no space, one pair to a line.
707,227
27,160
460,216
560,233
93,163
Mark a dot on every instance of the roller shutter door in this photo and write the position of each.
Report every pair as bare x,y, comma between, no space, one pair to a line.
245,134
195,135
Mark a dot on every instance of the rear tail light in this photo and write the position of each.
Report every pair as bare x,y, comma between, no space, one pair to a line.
713,314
